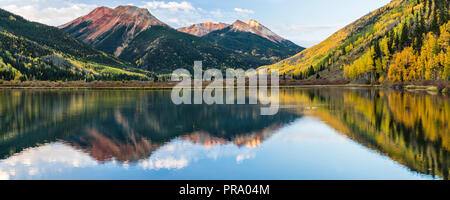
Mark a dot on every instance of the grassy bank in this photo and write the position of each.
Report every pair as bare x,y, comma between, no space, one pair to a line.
87,85
149,85
155,85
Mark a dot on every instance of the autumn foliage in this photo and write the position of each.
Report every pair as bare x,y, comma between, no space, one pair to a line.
404,41
415,50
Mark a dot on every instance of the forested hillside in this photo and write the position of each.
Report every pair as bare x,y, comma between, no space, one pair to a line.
405,41
161,49
33,51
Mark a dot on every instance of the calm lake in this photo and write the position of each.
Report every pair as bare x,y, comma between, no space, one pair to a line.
327,133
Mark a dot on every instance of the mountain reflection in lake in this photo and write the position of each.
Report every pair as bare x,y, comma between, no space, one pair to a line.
318,134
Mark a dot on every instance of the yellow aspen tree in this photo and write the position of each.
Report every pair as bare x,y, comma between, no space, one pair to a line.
402,67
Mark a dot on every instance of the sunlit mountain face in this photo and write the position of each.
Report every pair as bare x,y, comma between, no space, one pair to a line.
142,135
103,22
203,29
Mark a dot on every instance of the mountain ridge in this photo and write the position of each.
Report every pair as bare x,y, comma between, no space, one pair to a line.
254,39
160,48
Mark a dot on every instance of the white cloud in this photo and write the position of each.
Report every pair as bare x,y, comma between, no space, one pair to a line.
173,6
55,12
245,11
179,14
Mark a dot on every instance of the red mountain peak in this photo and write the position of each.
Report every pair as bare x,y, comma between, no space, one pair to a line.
104,20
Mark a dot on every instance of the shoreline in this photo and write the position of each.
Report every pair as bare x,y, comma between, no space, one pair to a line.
144,85
170,88
415,88
156,86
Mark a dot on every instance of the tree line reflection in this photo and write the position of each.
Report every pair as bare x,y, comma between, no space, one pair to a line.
410,128
126,126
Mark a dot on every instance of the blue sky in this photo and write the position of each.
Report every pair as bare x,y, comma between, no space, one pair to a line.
305,22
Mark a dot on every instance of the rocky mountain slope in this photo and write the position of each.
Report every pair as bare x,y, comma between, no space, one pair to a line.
111,30
253,38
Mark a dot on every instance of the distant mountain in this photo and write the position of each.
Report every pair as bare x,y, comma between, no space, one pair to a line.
203,29
404,41
253,38
33,51
133,34
255,27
